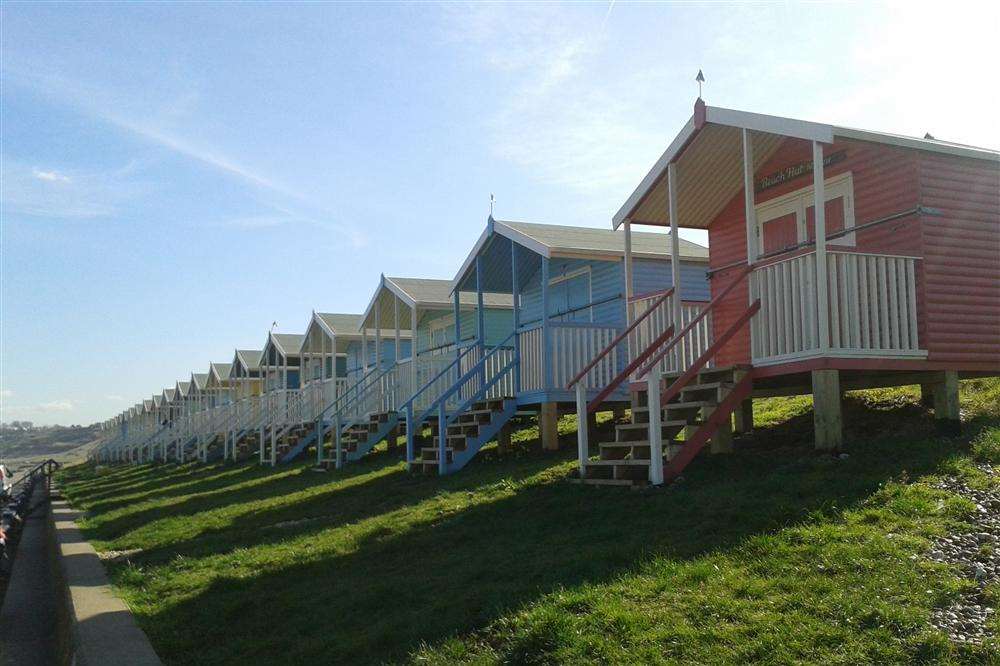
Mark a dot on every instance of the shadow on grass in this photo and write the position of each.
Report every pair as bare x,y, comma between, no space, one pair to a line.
459,571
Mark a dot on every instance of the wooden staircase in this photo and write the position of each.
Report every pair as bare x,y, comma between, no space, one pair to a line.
358,439
472,428
689,418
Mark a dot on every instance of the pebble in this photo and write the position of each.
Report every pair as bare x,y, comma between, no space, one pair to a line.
965,620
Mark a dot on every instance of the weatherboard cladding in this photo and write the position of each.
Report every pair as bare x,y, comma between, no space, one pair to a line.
961,266
958,291
436,328
354,349
607,281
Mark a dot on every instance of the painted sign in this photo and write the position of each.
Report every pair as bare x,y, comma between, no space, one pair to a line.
796,171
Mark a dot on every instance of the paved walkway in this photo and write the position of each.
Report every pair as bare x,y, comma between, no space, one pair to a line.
28,620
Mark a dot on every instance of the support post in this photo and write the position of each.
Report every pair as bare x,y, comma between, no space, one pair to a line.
548,426
503,438
629,286
410,434
946,406
675,262
546,333
480,321
819,205
395,318
655,427
722,438
442,440
582,431
743,416
514,290
827,410
337,446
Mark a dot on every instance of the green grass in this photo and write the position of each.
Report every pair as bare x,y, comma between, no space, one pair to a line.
773,554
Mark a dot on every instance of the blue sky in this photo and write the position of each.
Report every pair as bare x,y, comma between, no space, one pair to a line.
175,177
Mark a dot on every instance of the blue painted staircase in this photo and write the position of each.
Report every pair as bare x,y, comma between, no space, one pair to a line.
466,435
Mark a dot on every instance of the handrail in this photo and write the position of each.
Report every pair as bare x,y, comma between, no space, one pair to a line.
701,315
464,378
621,376
649,294
700,362
30,473
458,358
621,336
357,394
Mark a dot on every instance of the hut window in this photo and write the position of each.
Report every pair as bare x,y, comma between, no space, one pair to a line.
570,296
788,220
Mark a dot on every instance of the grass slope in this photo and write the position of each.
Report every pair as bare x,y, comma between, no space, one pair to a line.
772,554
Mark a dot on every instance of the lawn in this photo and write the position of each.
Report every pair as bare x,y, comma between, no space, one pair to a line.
771,554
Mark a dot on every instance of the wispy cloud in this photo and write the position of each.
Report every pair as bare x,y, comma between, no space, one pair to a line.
124,113
556,118
65,194
114,398
51,407
6,393
52,176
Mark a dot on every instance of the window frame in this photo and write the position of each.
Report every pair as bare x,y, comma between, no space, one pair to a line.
798,201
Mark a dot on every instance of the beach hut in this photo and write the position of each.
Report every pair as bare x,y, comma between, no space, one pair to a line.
839,259
218,404
567,285
385,375
245,384
283,421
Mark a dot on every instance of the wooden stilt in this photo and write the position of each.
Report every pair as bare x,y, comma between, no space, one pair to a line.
548,426
827,418
743,416
503,438
946,408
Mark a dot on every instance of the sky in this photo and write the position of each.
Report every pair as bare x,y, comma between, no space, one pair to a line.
176,177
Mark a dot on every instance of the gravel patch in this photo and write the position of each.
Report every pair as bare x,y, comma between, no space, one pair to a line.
116,556
977,554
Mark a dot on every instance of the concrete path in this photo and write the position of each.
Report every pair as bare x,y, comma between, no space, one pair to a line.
29,617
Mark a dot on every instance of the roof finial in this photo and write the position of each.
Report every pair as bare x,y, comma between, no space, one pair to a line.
700,79
274,325
493,200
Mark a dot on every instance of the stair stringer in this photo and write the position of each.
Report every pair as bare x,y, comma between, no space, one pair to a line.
299,447
740,391
498,420
363,448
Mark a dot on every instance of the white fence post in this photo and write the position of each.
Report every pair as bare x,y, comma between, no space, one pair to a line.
582,436
655,428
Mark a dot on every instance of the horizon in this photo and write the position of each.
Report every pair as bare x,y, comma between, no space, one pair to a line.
175,178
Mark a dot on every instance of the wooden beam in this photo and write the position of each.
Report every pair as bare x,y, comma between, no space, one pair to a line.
946,405
822,289
827,418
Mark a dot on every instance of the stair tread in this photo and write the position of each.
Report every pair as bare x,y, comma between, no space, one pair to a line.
645,426
626,462
610,482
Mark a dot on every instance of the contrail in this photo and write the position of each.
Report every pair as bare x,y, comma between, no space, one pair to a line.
611,5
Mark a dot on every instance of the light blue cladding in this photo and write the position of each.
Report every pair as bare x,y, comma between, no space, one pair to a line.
653,275
576,284
436,328
580,290
353,361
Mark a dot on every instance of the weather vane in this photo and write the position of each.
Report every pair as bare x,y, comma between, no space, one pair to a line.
492,201
274,325
700,79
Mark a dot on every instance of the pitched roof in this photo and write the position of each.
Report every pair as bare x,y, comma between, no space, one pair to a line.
709,158
288,344
341,323
250,358
558,239
437,293
423,293
157,400
198,380
169,394
221,370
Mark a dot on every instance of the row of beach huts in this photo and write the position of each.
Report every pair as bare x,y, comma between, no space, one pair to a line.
837,259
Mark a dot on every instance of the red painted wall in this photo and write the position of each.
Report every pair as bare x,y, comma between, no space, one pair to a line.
885,182
961,252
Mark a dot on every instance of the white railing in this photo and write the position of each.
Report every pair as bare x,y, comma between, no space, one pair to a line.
494,365
573,345
871,305
687,350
